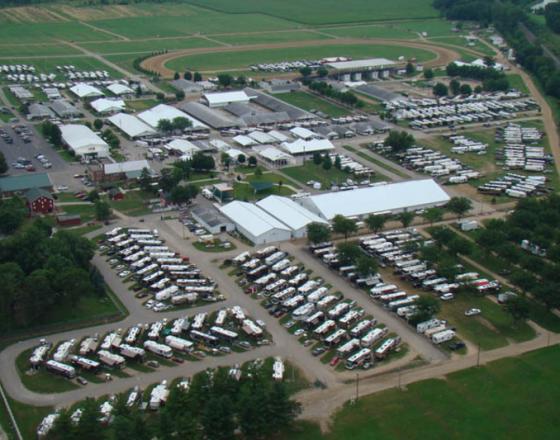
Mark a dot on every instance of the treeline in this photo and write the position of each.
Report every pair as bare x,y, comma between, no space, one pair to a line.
215,407
506,17
329,91
552,16
40,271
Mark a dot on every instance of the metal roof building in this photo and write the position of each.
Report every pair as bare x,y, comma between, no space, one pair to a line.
64,109
131,125
277,105
255,224
132,168
83,141
24,182
224,98
362,65
119,89
39,111
186,148
82,90
392,198
104,105
212,220
300,146
164,111
295,216
209,116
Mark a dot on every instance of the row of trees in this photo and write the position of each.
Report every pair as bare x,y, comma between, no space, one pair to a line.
39,272
399,141
552,16
215,407
52,133
189,76
227,80
3,164
329,91
320,233
179,123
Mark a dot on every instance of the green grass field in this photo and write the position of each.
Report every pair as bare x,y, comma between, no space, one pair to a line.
271,37
310,171
148,46
516,82
239,60
22,50
309,102
41,381
513,398
326,11
48,32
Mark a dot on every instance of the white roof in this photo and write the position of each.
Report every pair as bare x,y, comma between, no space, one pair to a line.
302,146
234,153
362,64
131,125
83,90
303,133
119,89
82,140
125,167
164,111
278,136
251,218
273,154
226,97
183,146
104,105
261,137
289,212
412,194
219,144
244,141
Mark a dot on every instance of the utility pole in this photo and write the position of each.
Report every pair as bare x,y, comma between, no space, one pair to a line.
478,356
357,386
400,374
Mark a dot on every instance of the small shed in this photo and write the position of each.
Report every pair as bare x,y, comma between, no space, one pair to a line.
69,219
115,194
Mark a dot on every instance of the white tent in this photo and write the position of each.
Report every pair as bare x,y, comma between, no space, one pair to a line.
83,90
119,89
392,198
82,141
244,141
255,224
164,111
131,125
300,146
104,105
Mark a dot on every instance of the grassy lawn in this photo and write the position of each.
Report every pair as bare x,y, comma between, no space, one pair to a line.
376,161
5,117
243,59
133,203
513,395
148,46
138,105
28,417
272,37
516,82
244,191
309,102
87,212
310,171
41,381
83,230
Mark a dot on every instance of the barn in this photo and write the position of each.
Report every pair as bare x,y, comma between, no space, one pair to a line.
39,201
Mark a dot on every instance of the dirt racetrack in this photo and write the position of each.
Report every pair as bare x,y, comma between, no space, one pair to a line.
443,55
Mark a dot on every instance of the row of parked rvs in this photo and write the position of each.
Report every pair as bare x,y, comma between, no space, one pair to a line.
516,186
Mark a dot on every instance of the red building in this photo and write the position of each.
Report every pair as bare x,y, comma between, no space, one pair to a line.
39,201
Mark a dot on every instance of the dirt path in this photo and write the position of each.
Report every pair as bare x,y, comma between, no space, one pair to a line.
105,31
443,55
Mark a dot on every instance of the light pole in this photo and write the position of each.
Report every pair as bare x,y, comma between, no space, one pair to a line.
357,386
478,356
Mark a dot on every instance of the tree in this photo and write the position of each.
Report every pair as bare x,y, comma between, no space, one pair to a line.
478,89
454,86
433,215
322,72
344,226
465,89
459,206
410,69
337,162
428,74
399,141
202,162
179,95
440,90
52,133
197,77
102,210
225,79
176,76
145,180
241,159
305,71
183,194
93,196
518,307
317,158
327,162
375,223
181,123
406,218
98,124
252,161
187,75
348,253
426,308
165,126
12,214
318,233
459,245
89,428
366,265
217,418
160,96
3,164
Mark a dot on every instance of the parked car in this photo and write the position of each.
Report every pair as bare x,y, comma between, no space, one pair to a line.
318,351
473,312
81,380
447,297
334,361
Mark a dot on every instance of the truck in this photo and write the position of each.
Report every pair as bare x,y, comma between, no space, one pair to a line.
348,347
159,349
361,327
39,354
423,326
84,363
184,298
324,328
387,346
251,329
335,337
278,369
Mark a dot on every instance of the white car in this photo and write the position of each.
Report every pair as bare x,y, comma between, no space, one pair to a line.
149,304
299,332
124,273
447,297
62,188
473,312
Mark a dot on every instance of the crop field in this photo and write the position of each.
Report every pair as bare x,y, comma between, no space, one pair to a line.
148,46
327,11
510,398
49,32
405,29
309,102
243,59
23,50
271,37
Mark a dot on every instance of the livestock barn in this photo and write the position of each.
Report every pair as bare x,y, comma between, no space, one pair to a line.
39,201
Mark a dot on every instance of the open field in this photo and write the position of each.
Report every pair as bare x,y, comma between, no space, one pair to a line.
24,50
49,32
510,398
309,102
243,59
270,37
310,171
327,11
148,46
405,29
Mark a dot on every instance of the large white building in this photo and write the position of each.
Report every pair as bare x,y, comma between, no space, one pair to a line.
255,224
105,105
384,199
164,111
119,89
186,148
131,126
83,141
295,216
224,98
83,90
301,146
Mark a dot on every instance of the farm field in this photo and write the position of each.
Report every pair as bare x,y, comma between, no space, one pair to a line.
309,102
271,37
513,395
243,59
148,46
327,11
404,29
49,32
23,50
